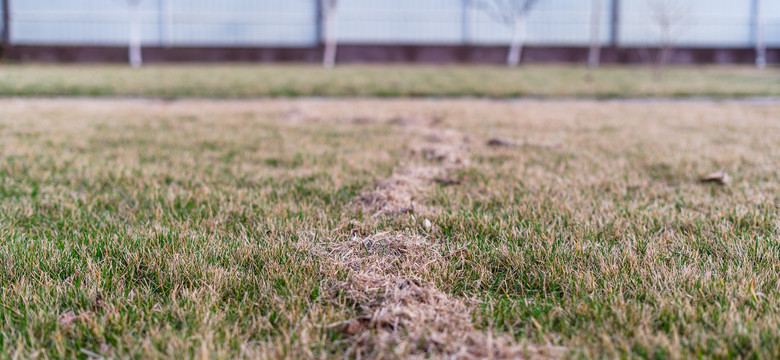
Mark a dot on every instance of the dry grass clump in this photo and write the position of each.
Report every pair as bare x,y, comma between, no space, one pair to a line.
406,316
434,153
447,147
411,320
386,253
401,192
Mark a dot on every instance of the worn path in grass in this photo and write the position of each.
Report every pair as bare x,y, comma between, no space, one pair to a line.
254,80
388,228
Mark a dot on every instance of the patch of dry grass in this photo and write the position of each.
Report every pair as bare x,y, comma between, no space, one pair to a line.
275,229
406,316
434,153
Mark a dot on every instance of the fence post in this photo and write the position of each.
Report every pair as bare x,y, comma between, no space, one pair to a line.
614,32
320,22
465,18
161,22
5,36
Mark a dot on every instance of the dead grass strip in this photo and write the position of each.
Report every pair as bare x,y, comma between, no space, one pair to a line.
403,314
433,154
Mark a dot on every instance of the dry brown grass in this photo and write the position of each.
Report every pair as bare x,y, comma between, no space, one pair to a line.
406,316
433,154
275,229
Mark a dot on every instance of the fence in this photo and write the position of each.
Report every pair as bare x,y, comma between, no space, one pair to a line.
295,23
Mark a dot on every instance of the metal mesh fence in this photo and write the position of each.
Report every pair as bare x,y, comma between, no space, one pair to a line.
295,23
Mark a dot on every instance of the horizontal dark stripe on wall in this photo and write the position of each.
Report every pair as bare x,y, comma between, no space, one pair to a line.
351,53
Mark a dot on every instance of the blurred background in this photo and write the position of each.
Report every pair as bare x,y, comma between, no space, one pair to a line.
438,31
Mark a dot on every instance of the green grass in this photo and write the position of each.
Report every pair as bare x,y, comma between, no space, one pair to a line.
200,228
247,80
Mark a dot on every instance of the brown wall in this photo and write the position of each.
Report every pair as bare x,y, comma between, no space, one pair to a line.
380,54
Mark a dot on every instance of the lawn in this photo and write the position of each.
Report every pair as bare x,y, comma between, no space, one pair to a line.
257,80
364,228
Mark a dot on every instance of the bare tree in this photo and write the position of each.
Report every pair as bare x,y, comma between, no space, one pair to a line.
329,12
134,36
594,55
513,13
759,33
669,16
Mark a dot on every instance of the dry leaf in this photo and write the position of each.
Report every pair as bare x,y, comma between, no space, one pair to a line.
509,142
462,252
361,120
355,326
448,181
501,142
719,177
68,318
97,303
436,120
398,121
409,209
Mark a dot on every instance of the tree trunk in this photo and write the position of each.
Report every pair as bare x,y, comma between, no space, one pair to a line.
665,49
134,48
759,31
330,36
664,56
518,39
594,55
